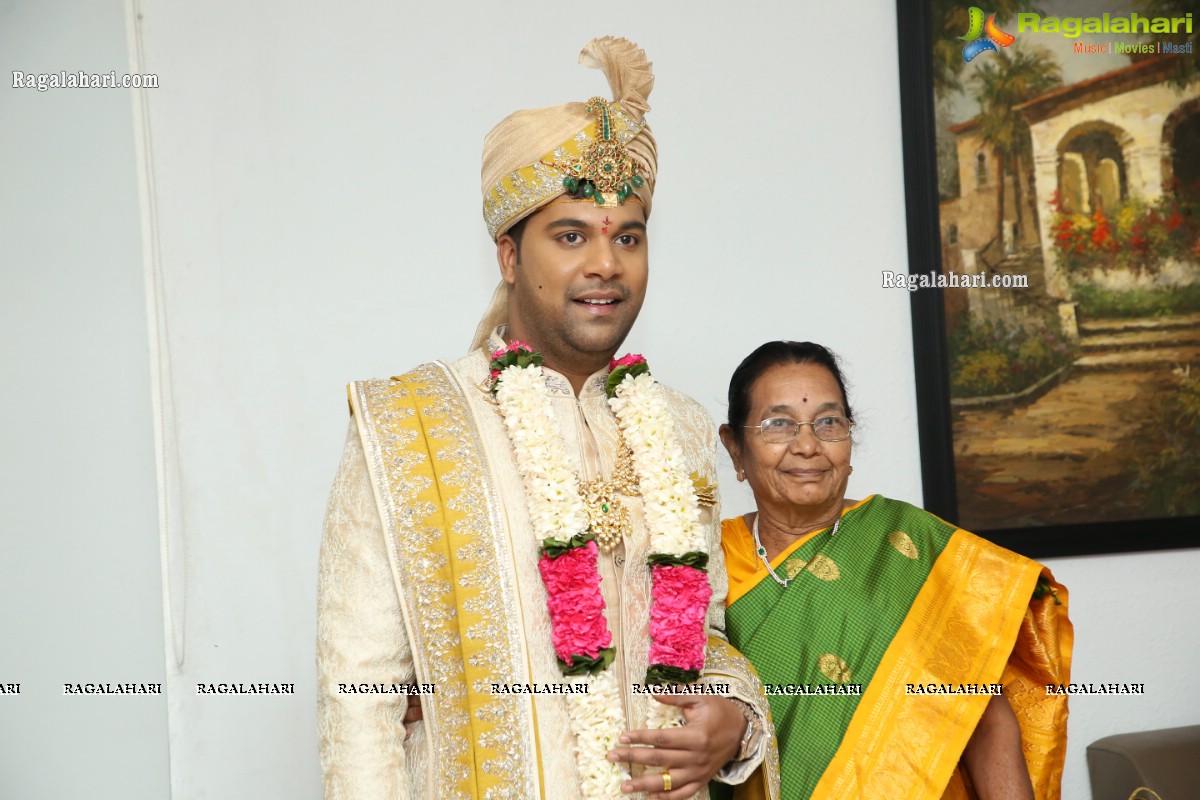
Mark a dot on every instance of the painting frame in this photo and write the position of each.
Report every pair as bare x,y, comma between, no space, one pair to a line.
930,347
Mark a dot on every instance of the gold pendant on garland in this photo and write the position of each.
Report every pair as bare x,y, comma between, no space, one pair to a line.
608,517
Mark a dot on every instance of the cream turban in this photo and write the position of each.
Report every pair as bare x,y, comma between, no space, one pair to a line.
524,157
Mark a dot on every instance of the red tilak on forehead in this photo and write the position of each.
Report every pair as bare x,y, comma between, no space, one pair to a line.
607,222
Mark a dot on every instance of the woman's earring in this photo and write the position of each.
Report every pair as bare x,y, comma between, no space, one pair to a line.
741,475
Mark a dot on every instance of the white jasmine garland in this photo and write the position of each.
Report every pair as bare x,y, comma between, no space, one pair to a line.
668,497
662,715
551,485
597,720
556,510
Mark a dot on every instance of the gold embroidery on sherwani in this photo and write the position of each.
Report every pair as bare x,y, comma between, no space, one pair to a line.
440,512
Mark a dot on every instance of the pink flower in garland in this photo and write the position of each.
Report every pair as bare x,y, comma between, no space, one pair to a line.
517,354
680,603
516,346
578,626
627,360
623,368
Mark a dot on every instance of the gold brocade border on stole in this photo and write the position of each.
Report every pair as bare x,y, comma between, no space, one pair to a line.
960,629
721,659
437,505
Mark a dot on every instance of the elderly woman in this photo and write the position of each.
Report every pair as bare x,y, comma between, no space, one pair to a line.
881,632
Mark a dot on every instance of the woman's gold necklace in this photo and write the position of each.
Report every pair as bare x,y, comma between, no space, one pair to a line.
762,551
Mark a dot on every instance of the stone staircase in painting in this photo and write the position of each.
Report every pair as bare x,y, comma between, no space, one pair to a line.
1023,307
1130,343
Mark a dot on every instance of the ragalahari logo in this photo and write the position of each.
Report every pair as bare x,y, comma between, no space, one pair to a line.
991,35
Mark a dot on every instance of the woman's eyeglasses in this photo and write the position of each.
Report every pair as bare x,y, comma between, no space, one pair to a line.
781,430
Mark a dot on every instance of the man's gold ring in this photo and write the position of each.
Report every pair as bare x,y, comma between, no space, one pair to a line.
666,776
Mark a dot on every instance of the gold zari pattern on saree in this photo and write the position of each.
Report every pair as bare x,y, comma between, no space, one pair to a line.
903,544
897,750
824,568
834,668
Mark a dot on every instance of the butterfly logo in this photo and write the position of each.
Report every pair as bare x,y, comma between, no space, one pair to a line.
983,36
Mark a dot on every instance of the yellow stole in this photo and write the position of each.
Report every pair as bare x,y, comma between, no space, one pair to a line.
448,549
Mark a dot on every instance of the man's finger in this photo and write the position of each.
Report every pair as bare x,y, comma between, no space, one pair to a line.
670,738
684,785
653,757
414,712
679,699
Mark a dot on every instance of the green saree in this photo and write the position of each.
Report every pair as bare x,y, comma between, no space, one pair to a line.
880,654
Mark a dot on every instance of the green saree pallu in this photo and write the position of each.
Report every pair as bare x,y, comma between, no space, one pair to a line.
883,650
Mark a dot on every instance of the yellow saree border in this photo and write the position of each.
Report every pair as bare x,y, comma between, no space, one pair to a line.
960,629
446,550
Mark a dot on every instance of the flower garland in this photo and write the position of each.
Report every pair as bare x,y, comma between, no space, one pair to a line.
568,564
678,560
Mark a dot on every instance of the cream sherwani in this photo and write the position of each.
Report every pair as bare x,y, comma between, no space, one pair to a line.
429,575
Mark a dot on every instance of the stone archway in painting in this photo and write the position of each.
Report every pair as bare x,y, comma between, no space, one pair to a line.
1093,169
1181,148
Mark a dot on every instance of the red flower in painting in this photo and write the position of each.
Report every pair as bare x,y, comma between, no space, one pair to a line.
1102,237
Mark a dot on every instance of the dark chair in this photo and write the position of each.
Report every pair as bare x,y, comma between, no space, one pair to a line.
1166,762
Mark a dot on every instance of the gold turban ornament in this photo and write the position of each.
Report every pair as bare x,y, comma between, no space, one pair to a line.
601,150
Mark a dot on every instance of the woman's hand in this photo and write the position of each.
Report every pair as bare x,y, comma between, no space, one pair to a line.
993,757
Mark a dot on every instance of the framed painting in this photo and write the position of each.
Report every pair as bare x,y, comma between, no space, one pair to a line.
1052,180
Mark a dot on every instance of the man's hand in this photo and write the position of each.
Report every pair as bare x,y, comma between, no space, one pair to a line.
694,753
413,713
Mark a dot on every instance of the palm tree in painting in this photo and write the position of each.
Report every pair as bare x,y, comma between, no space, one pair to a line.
950,20
1000,84
1186,69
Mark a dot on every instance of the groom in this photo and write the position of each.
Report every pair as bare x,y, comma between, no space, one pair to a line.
431,570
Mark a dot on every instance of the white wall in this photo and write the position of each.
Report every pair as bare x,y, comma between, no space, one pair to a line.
314,205
1136,618
80,597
